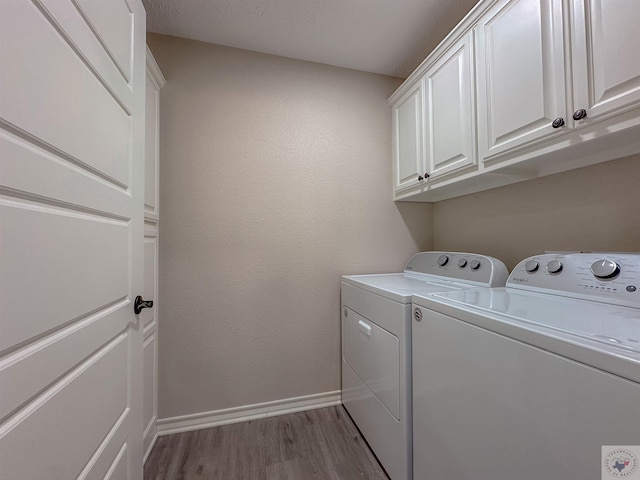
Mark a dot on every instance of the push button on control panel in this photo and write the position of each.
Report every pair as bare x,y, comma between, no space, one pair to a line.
631,288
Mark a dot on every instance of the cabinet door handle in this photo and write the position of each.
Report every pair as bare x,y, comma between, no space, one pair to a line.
426,175
558,122
420,178
580,114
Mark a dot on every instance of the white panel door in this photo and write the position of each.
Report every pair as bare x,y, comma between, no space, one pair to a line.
449,112
71,240
521,81
606,64
408,141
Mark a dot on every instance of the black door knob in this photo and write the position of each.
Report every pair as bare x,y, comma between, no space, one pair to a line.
558,122
579,114
420,178
139,304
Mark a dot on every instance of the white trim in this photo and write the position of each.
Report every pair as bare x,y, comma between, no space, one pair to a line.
466,25
196,421
153,70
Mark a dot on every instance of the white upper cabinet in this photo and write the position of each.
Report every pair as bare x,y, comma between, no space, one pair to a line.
518,90
408,135
521,81
449,112
606,61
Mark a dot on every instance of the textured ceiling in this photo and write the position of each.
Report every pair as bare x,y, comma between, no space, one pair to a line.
390,37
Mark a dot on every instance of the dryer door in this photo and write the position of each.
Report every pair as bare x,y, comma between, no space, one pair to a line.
374,354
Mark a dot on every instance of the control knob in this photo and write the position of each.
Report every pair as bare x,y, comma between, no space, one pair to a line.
605,269
474,264
531,266
443,260
462,263
554,266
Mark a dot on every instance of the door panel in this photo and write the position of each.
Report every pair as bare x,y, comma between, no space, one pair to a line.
408,138
113,452
151,151
68,109
150,389
76,29
520,74
119,467
150,267
31,369
606,68
59,181
71,243
450,114
56,423
82,251
113,26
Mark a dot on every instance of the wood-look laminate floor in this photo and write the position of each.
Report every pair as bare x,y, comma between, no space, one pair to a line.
318,444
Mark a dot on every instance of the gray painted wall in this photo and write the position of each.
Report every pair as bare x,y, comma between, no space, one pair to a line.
595,208
275,179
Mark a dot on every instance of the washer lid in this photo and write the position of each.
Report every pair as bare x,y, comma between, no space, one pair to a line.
604,336
400,287
612,325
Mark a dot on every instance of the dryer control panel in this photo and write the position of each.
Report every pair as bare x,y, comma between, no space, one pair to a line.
468,267
605,277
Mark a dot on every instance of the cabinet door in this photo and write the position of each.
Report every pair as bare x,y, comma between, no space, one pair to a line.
605,49
449,113
408,151
521,80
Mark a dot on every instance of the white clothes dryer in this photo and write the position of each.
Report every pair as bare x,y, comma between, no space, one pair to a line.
539,380
376,344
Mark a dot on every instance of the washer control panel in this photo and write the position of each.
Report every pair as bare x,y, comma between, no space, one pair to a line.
609,277
467,267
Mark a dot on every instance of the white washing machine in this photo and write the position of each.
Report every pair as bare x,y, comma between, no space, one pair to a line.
376,344
530,381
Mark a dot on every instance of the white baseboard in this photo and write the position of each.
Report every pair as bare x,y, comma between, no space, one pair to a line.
196,421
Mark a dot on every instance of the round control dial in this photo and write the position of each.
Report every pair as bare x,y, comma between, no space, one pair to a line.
462,263
554,266
474,264
531,266
605,268
443,260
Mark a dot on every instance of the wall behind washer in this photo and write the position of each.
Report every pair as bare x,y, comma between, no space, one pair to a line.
275,179
595,208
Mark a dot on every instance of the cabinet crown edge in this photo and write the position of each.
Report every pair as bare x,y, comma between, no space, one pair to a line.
462,28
